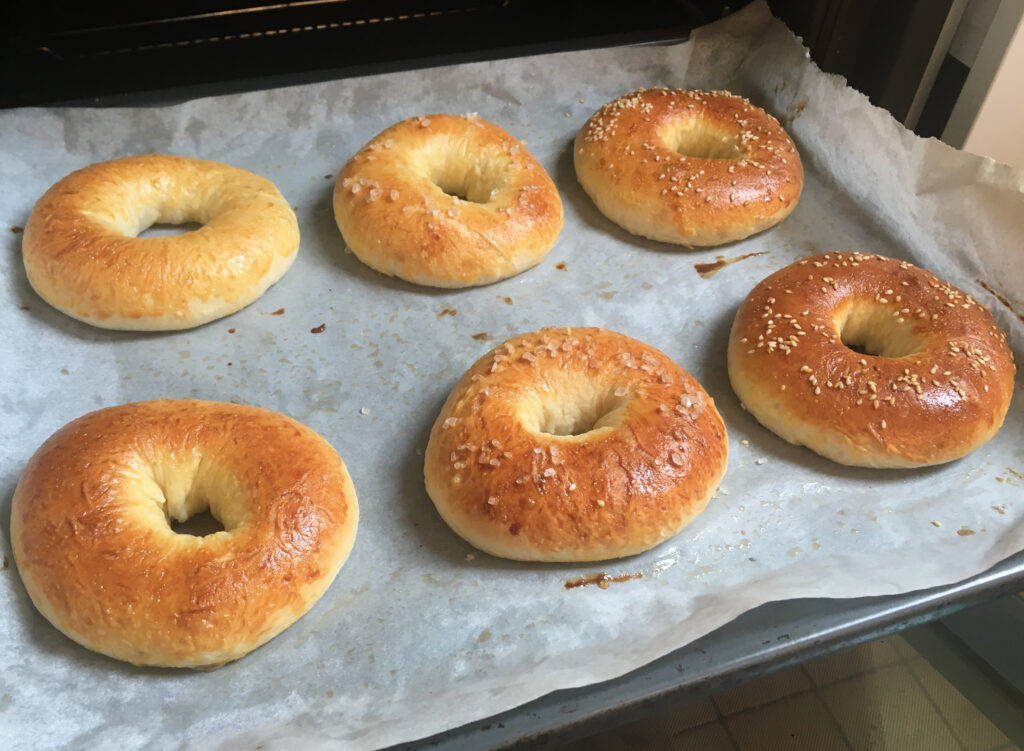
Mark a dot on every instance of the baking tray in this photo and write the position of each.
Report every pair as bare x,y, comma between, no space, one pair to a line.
419,635
759,642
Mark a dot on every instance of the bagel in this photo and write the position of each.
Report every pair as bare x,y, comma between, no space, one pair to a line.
574,445
83,255
92,538
447,201
694,168
870,361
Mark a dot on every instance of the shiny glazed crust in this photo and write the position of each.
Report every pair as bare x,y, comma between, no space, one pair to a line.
394,215
93,544
508,485
942,393
743,173
82,254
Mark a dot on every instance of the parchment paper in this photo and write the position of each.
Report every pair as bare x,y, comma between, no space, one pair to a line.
415,636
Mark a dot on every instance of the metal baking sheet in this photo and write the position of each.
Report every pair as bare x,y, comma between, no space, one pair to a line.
761,641
418,634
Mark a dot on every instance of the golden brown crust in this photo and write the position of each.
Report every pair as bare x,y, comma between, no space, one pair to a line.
82,254
742,175
942,393
394,215
507,484
93,544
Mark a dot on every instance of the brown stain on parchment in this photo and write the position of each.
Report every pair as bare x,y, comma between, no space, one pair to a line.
708,270
794,111
601,579
1000,298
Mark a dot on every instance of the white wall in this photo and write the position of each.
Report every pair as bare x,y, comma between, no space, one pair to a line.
997,130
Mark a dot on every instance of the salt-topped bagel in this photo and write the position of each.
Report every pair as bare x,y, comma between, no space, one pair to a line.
574,445
447,201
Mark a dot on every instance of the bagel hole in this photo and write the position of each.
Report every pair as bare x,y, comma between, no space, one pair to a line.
163,229
872,329
198,525
466,187
465,172
696,139
577,410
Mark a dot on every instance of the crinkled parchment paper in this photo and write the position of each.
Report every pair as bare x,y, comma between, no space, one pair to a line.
414,636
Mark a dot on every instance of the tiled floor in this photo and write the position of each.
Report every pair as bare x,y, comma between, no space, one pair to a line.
882,696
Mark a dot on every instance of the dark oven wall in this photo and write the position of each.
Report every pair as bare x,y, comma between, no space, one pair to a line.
881,47
57,51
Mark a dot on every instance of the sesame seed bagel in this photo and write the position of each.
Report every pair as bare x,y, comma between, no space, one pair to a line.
871,362
83,255
447,201
92,537
694,168
574,445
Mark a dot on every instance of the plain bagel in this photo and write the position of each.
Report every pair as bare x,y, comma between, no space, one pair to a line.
92,537
83,255
574,445
447,201
688,167
870,361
